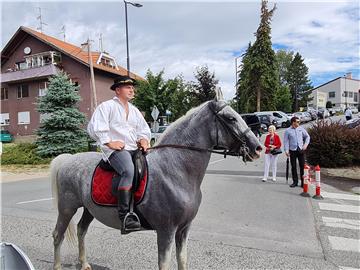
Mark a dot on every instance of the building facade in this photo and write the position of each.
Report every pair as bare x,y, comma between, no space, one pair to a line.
27,62
342,92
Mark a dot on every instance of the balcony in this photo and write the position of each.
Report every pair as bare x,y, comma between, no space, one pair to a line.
34,73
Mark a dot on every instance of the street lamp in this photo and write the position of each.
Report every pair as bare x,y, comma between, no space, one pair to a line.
127,35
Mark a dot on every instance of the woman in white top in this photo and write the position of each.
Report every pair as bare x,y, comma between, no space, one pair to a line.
120,128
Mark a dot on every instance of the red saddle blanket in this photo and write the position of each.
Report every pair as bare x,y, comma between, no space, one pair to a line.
101,188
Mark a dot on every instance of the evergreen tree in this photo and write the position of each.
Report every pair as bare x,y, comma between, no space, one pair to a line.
298,82
259,79
61,129
204,88
181,100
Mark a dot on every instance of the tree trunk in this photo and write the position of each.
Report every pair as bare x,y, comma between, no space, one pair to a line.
258,93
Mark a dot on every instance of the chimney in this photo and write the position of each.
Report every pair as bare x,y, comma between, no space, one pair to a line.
348,75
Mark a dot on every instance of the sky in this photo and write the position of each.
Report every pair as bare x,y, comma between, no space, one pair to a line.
179,36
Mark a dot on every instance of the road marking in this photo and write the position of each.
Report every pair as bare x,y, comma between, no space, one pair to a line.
347,268
216,161
340,207
341,196
352,224
40,200
344,244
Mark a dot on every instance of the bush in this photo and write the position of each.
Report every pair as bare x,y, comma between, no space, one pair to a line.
333,145
23,153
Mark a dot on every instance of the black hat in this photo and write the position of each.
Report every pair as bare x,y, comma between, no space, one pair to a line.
123,80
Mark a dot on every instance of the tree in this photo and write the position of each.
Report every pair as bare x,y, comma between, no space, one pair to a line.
259,78
154,91
299,83
181,100
61,129
204,88
284,59
283,99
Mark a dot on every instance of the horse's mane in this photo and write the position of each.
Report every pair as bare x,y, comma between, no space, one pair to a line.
179,123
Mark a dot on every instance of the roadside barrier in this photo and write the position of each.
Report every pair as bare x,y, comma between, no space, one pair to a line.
308,179
317,178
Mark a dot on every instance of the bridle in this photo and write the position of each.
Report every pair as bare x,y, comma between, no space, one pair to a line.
240,144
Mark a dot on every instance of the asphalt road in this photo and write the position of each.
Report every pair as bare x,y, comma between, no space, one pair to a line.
242,223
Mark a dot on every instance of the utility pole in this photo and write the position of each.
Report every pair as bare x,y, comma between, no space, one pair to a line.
93,99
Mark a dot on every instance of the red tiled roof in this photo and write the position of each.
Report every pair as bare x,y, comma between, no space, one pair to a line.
76,52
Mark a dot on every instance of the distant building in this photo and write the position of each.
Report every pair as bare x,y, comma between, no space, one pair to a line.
27,62
342,92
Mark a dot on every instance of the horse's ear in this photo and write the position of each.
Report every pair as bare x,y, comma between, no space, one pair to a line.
219,95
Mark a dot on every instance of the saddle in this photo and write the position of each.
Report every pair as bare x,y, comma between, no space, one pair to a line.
105,181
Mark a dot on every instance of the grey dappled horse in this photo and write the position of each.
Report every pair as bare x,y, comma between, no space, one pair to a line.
173,193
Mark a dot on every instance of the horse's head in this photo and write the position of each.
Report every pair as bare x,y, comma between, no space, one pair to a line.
231,132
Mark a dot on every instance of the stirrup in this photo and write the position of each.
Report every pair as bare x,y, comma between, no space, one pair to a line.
125,230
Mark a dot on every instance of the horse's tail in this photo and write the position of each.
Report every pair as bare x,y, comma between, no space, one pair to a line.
55,165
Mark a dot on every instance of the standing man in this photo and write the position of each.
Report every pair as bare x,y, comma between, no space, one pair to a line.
348,114
296,141
120,129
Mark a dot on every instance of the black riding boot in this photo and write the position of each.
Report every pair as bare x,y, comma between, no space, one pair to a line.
131,222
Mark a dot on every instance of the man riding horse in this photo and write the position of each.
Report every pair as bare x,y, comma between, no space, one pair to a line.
120,129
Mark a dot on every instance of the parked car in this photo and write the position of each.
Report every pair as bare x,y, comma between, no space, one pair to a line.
155,135
353,123
354,110
303,116
313,113
281,118
5,136
253,122
267,119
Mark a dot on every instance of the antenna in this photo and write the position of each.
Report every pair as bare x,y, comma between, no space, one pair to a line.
63,28
41,23
101,43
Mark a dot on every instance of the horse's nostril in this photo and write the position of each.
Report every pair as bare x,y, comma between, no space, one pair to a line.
259,149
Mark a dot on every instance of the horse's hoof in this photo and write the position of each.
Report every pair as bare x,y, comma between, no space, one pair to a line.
86,266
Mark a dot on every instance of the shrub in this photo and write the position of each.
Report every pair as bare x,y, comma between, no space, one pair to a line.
333,145
23,153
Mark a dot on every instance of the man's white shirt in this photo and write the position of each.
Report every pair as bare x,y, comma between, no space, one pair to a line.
109,123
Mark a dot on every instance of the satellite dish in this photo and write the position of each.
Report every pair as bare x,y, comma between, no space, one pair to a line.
27,50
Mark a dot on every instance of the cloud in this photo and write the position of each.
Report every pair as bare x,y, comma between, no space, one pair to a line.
180,36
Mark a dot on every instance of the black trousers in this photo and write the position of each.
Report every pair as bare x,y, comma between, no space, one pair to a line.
298,154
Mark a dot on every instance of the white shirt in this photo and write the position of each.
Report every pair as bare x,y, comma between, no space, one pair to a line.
348,112
109,123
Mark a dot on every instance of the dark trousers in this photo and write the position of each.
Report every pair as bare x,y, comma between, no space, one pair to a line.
122,163
298,154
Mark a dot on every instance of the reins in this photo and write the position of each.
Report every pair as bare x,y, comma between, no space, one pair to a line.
244,151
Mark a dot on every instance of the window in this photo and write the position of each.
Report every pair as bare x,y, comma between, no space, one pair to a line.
331,94
4,93
43,88
345,94
23,118
21,65
350,94
4,119
355,97
23,91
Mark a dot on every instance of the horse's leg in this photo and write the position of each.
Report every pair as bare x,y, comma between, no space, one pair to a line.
82,227
63,220
181,239
165,240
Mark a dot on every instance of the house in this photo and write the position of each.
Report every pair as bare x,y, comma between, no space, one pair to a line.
342,92
30,58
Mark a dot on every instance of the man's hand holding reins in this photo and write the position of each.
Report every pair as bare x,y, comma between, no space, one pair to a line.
143,144
115,145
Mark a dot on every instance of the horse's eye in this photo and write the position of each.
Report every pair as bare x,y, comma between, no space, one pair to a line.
232,119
